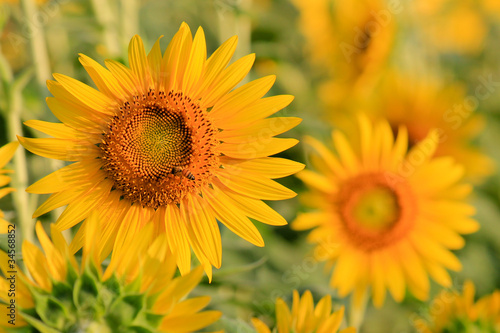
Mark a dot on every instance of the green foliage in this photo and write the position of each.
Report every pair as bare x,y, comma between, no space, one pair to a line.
87,304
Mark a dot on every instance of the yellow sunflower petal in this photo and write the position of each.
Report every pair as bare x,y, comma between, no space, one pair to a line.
154,62
256,209
56,262
240,98
124,76
60,131
176,57
283,316
79,210
191,322
317,181
56,200
4,180
139,62
327,156
205,228
7,152
346,153
75,116
215,64
308,220
272,167
227,80
37,265
260,326
105,81
231,217
60,149
257,149
94,99
257,110
255,186
176,235
69,176
196,62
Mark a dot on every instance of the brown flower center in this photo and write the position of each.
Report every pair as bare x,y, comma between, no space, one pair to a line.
377,209
158,148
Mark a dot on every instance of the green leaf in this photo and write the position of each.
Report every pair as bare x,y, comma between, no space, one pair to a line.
124,310
40,326
86,292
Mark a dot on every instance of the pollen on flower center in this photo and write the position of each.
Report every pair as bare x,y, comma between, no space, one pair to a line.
376,209
159,147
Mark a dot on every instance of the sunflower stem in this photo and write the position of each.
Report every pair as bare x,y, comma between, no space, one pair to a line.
233,20
13,109
357,312
38,46
107,20
129,21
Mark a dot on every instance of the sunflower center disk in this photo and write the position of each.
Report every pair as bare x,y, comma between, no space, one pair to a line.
376,209
158,148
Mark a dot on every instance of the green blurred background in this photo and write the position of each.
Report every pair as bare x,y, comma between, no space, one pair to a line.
451,42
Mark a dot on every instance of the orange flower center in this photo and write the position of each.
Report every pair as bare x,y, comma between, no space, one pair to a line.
158,148
376,209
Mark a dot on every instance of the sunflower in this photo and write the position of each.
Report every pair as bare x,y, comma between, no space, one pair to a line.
350,41
441,21
137,291
6,153
454,312
304,317
387,217
168,142
424,104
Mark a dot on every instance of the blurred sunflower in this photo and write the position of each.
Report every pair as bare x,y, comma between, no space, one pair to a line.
167,142
455,26
422,105
386,217
454,312
350,41
136,293
304,317
6,153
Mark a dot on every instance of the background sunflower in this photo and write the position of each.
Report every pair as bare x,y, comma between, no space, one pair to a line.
451,43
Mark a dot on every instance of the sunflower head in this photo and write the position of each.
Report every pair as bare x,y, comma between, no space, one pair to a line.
305,317
444,18
137,292
169,142
422,105
351,40
452,311
6,153
386,216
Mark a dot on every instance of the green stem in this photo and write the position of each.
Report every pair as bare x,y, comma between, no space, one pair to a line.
107,20
13,98
235,21
39,52
21,176
357,312
129,21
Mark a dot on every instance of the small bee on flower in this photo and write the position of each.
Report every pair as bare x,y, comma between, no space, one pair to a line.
184,172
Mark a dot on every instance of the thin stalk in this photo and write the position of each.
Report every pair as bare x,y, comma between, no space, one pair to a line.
13,99
129,21
21,199
107,20
234,20
38,46
357,312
